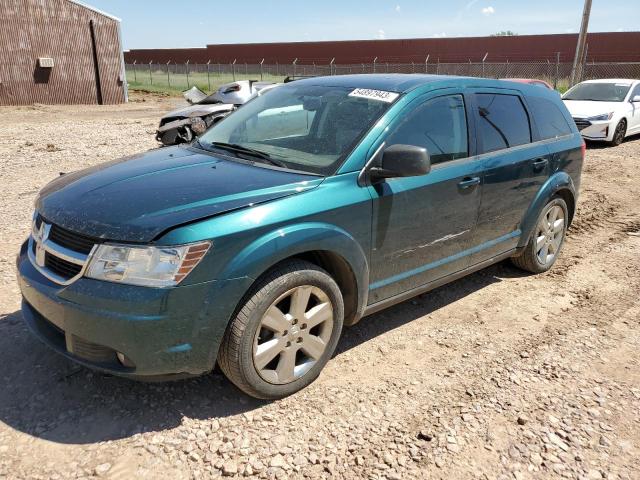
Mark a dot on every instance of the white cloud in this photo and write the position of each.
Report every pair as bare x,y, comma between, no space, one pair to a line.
397,8
488,11
380,35
439,35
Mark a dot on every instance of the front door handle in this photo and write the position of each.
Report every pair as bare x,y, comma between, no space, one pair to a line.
539,164
468,182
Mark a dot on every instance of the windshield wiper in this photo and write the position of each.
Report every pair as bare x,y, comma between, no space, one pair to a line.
236,148
588,100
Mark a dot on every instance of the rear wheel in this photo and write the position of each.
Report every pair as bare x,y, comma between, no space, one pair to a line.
548,237
620,133
285,333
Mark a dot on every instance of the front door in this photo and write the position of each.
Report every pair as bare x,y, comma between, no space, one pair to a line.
423,225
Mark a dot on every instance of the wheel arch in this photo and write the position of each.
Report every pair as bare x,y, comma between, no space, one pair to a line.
560,185
327,246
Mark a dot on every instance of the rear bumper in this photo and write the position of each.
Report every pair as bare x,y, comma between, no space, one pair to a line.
162,332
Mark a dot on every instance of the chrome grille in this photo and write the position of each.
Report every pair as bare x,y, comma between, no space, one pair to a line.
60,255
61,267
73,241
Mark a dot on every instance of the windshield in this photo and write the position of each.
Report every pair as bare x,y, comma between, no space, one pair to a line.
302,127
599,92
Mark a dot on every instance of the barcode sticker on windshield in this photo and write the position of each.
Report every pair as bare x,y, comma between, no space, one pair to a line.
379,95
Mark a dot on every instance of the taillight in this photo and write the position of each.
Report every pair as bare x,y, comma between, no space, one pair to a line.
584,149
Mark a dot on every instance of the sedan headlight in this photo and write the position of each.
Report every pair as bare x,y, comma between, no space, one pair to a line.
600,118
145,265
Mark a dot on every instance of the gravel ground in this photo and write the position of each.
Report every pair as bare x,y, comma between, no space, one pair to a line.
500,375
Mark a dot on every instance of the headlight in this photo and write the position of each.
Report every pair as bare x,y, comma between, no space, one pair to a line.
146,266
599,118
198,125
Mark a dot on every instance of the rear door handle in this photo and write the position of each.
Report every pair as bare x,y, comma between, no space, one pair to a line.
468,182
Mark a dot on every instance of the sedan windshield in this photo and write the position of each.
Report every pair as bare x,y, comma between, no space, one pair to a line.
598,92
300,126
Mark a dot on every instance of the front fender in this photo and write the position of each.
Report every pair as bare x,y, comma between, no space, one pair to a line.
559,181
282,243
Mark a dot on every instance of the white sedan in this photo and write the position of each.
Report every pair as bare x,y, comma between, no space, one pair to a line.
605,110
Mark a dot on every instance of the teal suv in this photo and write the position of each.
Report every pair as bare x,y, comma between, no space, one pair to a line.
312,206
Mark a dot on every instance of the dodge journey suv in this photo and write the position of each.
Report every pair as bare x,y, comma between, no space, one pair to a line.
321,202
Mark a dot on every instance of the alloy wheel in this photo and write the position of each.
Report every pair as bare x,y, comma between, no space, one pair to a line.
293,334
550,233
618,136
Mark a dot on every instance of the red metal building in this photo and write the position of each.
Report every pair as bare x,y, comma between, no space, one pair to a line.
603,47
59,51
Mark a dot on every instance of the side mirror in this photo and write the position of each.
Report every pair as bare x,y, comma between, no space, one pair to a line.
402,161
636,99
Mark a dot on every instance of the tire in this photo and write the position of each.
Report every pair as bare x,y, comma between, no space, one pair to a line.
620,133
532,259
258,349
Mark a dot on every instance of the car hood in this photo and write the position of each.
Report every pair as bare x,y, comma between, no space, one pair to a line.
135,199
199,110
586,109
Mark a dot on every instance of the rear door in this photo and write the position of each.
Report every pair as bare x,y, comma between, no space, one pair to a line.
514,168
423,225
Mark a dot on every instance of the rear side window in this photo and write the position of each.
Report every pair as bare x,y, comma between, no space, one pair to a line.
439,125
504,122
549,119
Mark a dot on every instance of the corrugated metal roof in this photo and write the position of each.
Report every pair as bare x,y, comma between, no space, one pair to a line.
108,15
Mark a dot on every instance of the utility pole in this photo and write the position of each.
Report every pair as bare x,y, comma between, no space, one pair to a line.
582,41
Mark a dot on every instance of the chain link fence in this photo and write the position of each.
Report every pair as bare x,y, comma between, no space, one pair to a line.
207,77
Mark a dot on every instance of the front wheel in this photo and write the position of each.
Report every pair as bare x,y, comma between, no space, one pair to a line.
548,237
285,333
620,133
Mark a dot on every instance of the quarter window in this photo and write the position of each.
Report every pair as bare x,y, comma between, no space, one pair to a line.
439,125
549,119
504,122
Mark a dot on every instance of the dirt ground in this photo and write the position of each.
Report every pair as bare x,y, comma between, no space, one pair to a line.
500,375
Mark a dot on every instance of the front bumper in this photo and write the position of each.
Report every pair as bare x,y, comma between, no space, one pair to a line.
161,332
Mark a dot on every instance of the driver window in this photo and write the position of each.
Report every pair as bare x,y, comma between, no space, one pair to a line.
439,125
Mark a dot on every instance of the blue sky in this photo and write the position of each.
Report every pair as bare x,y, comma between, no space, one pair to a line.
191,23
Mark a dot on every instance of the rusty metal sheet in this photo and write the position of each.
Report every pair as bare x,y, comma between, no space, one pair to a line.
58,29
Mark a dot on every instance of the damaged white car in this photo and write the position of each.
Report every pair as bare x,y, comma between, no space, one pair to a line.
184,124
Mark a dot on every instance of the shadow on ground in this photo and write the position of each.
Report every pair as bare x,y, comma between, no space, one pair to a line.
47,396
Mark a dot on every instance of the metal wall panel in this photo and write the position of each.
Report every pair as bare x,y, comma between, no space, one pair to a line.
59,29
603,47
